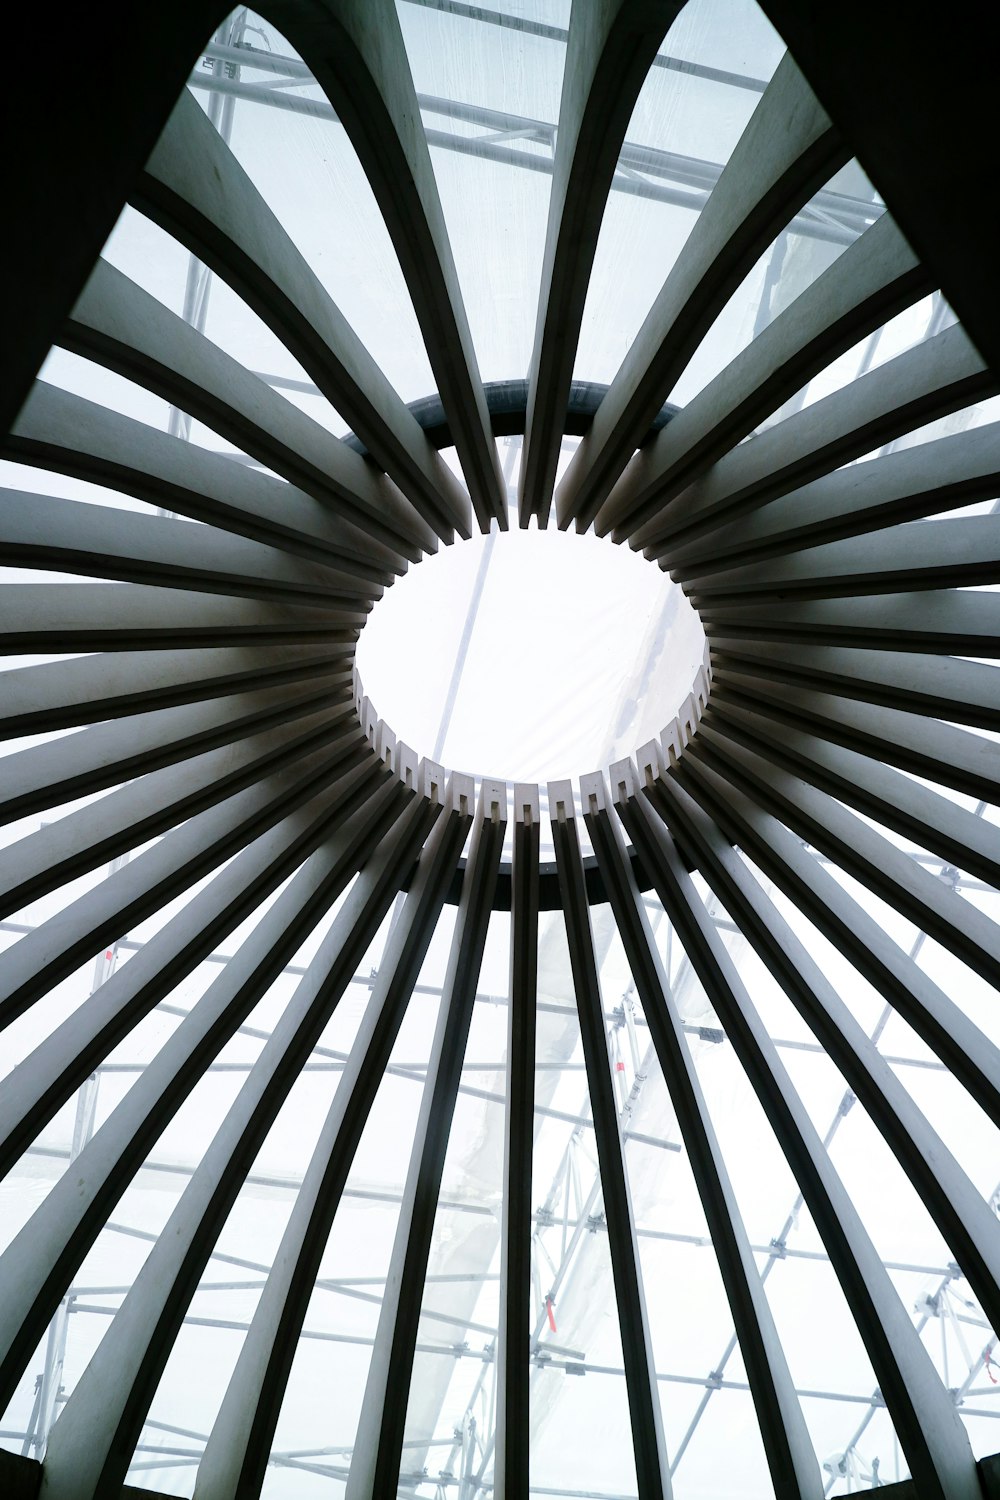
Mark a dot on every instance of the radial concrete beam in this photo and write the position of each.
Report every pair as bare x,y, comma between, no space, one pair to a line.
356,51
511,1476
916,743
47,1077
106,755
945,687
65,536
118,324
946,554
67,847
59,617
962,1214
962,1047
46,955
609,50
57,430
923,1414
787,151
915,812
92,1443
861,850
875,278
42,1260
87,690
791,1457
925,479
950,621
239,1446
938,376
652,1465
378,1447
194,187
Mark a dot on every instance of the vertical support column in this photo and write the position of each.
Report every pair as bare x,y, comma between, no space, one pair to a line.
511,1474
792,1461
375,1466
652,1469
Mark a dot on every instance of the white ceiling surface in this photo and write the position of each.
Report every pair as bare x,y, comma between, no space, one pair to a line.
519,704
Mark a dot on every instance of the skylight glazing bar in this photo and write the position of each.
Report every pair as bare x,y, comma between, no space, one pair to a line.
661,176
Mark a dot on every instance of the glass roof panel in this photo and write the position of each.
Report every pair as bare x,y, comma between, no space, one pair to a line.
489,98
301,161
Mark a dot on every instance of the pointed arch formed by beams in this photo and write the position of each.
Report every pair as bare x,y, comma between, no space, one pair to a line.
356,48
222,219
609,50
788,150
873,279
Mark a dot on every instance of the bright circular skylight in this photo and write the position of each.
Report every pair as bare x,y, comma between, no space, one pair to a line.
530,654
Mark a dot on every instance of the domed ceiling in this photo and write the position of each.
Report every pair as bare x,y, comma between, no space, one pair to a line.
560,1055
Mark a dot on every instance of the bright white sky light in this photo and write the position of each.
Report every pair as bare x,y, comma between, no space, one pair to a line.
562,635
